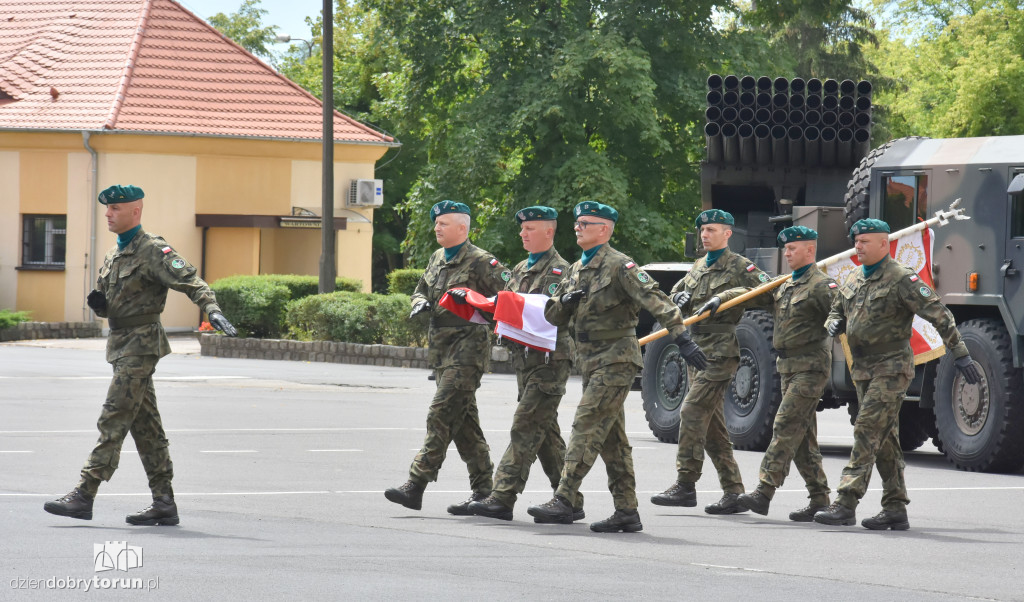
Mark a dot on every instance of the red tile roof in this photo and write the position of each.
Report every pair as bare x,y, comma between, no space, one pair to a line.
146,66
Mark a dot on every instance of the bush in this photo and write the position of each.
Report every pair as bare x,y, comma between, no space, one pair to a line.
364,318
255,305
404,281
10,318
304,286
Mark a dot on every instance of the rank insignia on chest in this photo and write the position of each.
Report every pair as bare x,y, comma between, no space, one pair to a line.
630,265
751,267
913,277
166,250
556,271
178,264
494,261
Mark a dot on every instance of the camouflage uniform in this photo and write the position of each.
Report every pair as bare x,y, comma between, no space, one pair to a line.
805,358
134,281
459,351
879,312
541,378
702,415
608,355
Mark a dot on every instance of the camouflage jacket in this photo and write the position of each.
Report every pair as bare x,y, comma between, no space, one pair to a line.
542,278
800,307
135,282
717,336
879,312
604,321
454,341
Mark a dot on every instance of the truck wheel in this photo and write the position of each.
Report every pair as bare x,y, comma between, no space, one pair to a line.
980,425
858,198
916,425
754,394
664,385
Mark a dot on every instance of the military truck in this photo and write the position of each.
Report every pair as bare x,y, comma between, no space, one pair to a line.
801,179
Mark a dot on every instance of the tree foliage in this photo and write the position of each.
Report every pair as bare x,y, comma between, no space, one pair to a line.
246,28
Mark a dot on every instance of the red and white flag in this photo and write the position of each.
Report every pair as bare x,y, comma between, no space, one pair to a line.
519,317
915,252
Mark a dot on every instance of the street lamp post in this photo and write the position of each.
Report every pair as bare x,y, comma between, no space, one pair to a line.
284,39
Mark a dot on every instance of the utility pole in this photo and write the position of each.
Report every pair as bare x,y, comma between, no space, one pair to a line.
329,251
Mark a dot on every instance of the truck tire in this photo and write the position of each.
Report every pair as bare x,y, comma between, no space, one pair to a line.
982,426
858,198
754,394
917,425
663,386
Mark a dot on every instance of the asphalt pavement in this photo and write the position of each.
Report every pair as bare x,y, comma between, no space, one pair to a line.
280,469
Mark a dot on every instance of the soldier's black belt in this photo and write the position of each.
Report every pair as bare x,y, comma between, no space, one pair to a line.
712,328
451,322
604,335
133,321
802,350
880,348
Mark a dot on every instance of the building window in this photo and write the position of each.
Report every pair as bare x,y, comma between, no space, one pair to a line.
44,242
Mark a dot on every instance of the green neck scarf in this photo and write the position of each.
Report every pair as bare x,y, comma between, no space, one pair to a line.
713,256
534,258
800,272
451,252
589,254
124,238
870,269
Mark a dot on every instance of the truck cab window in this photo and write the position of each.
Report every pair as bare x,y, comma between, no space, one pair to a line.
1017,206
906,200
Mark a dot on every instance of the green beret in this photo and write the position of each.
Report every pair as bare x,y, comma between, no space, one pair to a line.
869,226
597,210
795,233
535,213
448,207
121,194
714,216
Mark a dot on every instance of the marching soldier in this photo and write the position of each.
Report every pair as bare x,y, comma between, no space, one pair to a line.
131,292
459,352
601,297
541,377
805,356
702,415
876,307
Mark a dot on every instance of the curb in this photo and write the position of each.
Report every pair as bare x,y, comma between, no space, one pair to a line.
30,331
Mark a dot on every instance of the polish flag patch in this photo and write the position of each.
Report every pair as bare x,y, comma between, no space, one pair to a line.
556,271
166,250
914,278
494,261
751,267
630,265
832,285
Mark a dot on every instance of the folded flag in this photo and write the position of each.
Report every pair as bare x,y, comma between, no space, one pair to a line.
519,317
469,310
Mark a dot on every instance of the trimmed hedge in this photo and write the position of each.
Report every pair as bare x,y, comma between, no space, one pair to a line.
304,286
364,318
10,318
403,282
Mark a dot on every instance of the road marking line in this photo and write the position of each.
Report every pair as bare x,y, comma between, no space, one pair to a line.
228,451
732,568
164,378
235,430
334,450
15,451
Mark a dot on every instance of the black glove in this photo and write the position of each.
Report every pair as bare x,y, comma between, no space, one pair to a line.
572,298
458,295
96,300
420,307
968,370
711,306
835,326
218,321
681,299
691,352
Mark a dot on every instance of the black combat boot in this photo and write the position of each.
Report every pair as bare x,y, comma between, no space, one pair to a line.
462,509
578,514
76,504
726,505
887,519
163,511
556,510
679,494
756,502
408,494
627,521
836,514
806,514
491,508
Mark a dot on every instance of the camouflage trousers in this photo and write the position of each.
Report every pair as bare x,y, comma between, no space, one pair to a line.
453,416
130,407
535,434
795,437
599,429
702,427
876,442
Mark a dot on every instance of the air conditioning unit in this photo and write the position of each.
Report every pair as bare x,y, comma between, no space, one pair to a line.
366,193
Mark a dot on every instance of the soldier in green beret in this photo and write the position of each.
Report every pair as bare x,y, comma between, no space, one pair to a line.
541,376
459,352
875,308
601,296
702,415
131,292
800,307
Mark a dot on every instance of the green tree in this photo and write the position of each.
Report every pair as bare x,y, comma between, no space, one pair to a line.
246,28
